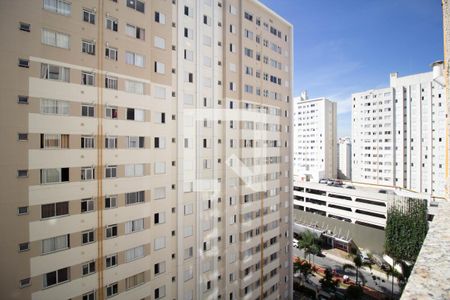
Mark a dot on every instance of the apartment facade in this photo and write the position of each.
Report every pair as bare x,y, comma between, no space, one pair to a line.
446,31
344,156
399,133
314,138
130,124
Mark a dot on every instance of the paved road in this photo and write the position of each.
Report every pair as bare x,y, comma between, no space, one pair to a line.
364,273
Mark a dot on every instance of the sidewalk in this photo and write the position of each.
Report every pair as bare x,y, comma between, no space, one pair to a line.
347,261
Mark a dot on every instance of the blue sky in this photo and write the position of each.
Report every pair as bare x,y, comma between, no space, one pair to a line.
346,46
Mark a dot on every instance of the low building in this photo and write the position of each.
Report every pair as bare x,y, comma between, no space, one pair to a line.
344,212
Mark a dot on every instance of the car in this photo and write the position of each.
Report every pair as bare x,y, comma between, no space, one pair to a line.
351,187
323,180
295,243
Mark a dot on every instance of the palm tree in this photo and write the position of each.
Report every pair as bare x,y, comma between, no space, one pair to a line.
391,271
306,242
315,250
357,264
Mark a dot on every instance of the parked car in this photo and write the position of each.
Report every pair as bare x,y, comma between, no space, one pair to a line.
295,243
323,180
351,187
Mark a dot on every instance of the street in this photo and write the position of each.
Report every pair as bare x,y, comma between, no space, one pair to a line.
379,283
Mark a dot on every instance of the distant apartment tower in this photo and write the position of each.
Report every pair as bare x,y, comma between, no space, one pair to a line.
314,138
125,126
344,157
399,133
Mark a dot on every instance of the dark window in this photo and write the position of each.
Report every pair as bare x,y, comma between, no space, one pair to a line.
137,5
22,99
54,209
24,63
64,174
25,27
130,113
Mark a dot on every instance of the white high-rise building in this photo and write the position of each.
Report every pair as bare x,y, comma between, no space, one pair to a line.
399,133
314,138
344,157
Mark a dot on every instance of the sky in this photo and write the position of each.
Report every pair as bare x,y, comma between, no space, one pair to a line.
347,46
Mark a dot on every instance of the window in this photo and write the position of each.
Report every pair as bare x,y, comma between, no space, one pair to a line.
24,247
56,277
188,33
53,72
160,18
159,193
23,63
87,237
134,170
188,252
22,99
111,231
160,117
54,209
87,205
159,42
88,16
134,87
89,296
22,210
87,78
135,114
134,226
87,142
159,268
188,77
187,11
111,112
87,173
159,218
55,39
111,53
111,201
160,292
111,260
25,282
135,59
112,289
54,141
87,110
160,167
134,280
160,68
159,243
111,23
188,209
136,5
88,268
111,82
135,32
54,175
55,244
111,171
88,47
134,197
58,6
136,142
160,142
187,231
111,142
134,253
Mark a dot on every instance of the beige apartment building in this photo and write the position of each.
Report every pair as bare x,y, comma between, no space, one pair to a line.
446,31
146,150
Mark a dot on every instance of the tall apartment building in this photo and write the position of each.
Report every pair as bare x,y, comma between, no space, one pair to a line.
314,138
446,31
146,150
344,157
399,133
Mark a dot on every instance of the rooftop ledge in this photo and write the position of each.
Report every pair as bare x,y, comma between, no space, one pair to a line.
430,278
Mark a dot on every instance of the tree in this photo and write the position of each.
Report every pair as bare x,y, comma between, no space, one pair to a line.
306,242
327,283
303,267
391,271
357,264
406,228
354,292
315,250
